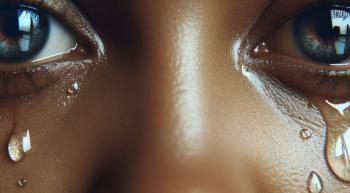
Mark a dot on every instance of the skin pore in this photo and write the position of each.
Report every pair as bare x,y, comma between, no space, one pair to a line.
165,107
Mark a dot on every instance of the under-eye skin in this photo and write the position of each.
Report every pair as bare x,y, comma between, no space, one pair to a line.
309,51
40,43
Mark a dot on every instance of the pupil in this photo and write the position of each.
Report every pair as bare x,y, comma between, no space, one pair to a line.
10,26
324,26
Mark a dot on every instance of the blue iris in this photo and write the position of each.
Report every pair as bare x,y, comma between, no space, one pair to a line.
23,32
323,34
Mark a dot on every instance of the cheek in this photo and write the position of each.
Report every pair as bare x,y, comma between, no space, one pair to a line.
247,128
272,137
61,138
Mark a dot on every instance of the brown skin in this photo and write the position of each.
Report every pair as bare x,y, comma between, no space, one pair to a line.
167,112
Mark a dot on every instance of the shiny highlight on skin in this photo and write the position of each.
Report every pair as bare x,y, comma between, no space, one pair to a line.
188,66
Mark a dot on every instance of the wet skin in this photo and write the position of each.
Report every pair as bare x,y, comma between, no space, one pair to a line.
164,108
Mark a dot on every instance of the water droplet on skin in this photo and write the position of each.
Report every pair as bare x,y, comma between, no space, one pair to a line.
70,91
305,134
22,182
82,50
337,117
18,146
73,89
315,184
261,49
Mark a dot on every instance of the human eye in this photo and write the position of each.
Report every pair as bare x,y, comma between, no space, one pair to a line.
311,51
307,49
39,43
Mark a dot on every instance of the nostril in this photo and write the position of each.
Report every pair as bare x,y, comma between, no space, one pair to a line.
109,177
102,182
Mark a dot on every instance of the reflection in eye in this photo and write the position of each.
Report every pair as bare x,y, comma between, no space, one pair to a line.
30,37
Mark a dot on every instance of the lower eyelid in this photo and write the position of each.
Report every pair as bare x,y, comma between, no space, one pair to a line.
15,83
22,82
308,78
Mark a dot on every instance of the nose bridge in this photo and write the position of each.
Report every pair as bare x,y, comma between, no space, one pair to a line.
187,81
171,107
